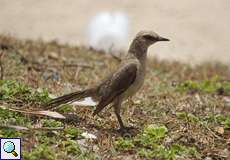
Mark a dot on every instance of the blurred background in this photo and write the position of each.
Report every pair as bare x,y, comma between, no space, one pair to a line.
198,30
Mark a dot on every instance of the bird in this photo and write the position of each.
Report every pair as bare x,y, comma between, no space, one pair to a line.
119,85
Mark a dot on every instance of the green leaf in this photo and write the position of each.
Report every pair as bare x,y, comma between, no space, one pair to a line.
72,132
124,144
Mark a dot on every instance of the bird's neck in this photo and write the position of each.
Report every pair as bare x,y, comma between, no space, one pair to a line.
139,50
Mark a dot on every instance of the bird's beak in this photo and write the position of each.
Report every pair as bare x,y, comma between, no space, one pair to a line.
163,39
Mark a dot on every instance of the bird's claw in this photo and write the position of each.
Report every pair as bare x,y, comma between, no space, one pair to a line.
126,131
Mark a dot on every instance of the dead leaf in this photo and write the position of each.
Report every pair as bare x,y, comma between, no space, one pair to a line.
14,127
227,101
51,114
219,130
43,113
33,128
53,55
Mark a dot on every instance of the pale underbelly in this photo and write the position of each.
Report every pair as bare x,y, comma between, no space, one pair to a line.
134,87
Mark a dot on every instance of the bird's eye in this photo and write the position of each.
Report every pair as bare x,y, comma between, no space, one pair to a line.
148,37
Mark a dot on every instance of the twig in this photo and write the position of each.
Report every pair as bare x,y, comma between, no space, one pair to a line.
14,127
77,65
77,73
48,128
218,137
1,65
37,113
33,128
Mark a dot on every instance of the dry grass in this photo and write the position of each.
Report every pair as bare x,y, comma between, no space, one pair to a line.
190,116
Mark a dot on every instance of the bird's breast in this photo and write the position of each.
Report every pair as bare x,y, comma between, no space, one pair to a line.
140,75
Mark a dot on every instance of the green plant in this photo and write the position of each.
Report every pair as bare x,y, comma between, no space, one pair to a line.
151,135
71,147
42,151
162,152
224,120
51,123
220,119
10,89
124,144
8,117
188,117
149,144
40,96
72,132
207,86
146,153
9,133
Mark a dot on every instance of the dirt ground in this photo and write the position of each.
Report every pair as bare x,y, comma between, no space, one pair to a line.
181,112
199,30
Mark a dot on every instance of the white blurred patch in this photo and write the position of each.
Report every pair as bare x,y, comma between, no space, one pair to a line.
108,31
88,101
227,101
88,135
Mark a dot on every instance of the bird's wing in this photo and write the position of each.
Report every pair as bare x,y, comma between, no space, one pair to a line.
116,84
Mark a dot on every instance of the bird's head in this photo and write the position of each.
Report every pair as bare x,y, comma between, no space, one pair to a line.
149,37
142,41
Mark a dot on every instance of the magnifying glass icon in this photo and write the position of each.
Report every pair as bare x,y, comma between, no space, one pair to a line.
9,147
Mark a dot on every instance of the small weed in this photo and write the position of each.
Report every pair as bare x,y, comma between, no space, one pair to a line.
72,132
51,123
42,151
146,153
40,96
88,156
148,144
9,133
10,89
221,119
161,152
224,120
54,148
71,147
188,117
176,148
124,144
151,135
45,138
156,132
73,150
13,118
206,86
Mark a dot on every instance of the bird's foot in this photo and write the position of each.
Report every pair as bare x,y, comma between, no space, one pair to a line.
126,131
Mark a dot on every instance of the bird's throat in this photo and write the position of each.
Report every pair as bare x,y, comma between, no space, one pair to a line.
138,49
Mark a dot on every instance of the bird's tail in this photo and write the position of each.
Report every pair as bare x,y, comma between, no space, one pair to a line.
71,97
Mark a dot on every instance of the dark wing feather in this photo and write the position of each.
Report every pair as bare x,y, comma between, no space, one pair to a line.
115,85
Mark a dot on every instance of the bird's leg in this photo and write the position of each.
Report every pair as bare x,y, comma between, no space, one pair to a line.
119,119
117,108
